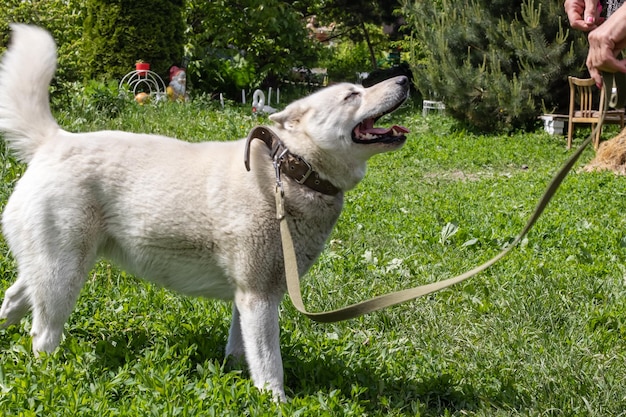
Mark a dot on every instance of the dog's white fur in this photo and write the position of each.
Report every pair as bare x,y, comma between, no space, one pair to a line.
185,216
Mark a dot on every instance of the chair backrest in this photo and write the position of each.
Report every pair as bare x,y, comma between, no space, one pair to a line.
583,89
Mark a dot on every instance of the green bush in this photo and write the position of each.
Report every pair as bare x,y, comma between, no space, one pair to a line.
496,64
63,18
263,42
118,33
88,102
346,56
346,59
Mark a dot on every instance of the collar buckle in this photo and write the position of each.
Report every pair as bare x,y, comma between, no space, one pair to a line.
306,175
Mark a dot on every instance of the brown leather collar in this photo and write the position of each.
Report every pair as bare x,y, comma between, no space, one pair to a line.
291,165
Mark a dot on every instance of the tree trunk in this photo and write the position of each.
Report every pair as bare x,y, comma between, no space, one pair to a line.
369,46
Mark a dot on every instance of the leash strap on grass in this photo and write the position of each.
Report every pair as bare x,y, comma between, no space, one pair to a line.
387,300
391,299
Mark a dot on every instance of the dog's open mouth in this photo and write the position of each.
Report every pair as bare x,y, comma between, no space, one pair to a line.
366,132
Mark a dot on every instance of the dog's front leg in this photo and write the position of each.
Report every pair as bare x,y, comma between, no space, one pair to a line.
258,315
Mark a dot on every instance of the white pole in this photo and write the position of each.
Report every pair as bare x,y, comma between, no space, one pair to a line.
269,97
243,96
222,100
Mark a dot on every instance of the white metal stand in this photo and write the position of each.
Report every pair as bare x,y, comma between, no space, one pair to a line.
144,81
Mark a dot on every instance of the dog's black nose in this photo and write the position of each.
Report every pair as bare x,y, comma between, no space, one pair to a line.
402,80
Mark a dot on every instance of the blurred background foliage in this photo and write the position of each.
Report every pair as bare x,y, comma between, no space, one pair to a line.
496,65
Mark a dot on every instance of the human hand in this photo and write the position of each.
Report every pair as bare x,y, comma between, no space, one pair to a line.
605,44
583,14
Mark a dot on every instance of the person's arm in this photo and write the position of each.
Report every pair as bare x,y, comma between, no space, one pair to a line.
605,44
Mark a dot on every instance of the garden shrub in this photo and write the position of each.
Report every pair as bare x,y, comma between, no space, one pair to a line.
496,64
118,33
244,44
64,20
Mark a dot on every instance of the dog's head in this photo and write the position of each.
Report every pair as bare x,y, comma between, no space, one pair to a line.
336,126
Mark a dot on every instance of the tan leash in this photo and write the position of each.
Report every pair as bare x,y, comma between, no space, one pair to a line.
615,83
394,298
390,299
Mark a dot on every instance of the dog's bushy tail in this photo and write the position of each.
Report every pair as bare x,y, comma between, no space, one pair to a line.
25,74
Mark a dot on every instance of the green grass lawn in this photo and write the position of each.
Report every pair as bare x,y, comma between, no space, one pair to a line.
541,333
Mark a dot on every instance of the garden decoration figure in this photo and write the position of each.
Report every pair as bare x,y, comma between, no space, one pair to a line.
177,88
258,103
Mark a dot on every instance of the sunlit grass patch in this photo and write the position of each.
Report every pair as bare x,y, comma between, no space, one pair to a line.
540,333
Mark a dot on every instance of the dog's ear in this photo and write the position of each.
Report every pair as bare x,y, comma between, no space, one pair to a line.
290,117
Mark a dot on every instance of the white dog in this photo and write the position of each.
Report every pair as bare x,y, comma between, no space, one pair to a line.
187,216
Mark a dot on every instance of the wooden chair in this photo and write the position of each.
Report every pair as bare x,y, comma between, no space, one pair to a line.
582,108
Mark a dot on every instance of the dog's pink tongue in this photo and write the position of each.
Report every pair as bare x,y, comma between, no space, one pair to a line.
386,130
368,127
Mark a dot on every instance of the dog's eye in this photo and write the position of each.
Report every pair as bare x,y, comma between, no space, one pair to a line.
352,95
